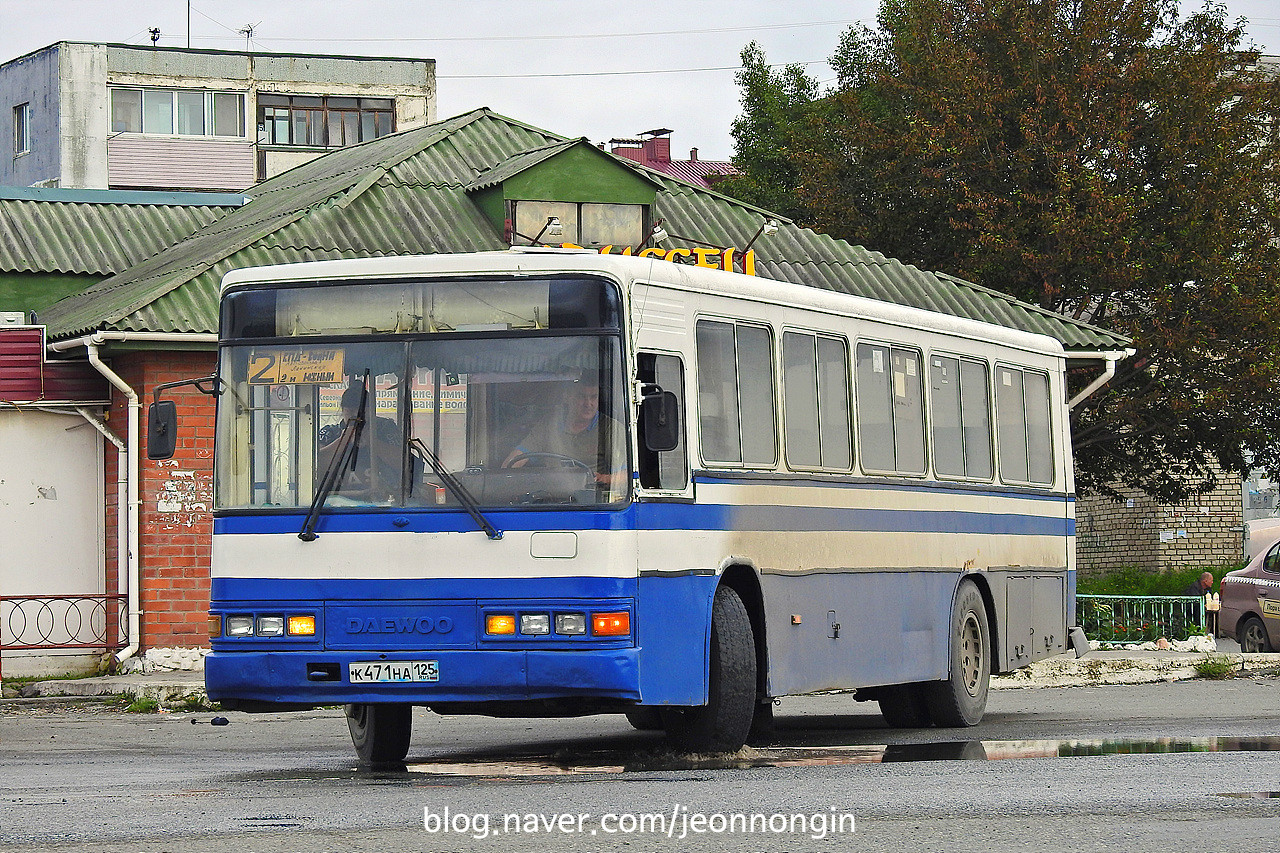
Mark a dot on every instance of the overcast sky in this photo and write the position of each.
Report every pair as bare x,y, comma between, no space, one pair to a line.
575,67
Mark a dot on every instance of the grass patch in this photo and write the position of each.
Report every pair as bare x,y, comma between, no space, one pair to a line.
141,704
1216,667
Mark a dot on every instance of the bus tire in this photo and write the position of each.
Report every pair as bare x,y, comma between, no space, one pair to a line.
723,724
380,732
961,699
645,719
905,706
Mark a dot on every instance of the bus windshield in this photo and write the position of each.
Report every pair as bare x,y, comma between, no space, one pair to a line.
437,420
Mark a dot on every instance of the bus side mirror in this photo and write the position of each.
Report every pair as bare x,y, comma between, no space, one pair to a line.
162,429
660,419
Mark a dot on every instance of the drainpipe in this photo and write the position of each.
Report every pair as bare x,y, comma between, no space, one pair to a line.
1112,358
130,459
122,498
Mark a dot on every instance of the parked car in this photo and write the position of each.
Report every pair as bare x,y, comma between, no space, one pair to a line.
1250,612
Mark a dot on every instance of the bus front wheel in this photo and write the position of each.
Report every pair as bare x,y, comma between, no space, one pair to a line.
723,724
380,733
961,699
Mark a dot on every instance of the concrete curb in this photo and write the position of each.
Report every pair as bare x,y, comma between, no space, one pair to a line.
1113,668
164,687
1093,670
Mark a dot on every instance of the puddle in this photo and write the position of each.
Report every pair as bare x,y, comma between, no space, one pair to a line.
1255,795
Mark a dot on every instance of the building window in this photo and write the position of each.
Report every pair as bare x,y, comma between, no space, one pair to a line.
22,129
315,121
180,112
588,224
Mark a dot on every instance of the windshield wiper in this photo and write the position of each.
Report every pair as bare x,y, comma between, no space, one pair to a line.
343,458
468,501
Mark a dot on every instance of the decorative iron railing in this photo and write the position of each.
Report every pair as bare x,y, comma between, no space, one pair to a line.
1139,618
30,622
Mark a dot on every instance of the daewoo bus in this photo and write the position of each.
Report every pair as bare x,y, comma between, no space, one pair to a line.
554,482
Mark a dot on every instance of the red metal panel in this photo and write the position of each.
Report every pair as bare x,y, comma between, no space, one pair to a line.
25,377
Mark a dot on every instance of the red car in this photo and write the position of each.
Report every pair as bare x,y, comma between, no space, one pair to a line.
1250,612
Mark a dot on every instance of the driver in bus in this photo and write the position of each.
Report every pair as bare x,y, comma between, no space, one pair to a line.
381,439
576,432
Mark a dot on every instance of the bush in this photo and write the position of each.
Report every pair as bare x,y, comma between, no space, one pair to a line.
1134,581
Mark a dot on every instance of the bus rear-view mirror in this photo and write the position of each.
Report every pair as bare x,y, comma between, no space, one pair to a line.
162,429
660,417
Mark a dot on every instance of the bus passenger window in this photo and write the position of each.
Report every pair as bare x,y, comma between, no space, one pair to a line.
736,393
668,469
961,423
890,409
1022,420
816,401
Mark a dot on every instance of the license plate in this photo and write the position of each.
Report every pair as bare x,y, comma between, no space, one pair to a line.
406,671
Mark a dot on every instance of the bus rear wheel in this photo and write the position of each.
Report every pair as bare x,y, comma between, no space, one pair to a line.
380,732
961,699
723,724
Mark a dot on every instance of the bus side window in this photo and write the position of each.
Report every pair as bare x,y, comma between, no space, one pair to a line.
669,469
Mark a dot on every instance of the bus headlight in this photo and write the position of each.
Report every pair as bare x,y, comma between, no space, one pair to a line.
535,623
240,626
270,626
571,624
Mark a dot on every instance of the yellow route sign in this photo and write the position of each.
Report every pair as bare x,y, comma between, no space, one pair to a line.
319,366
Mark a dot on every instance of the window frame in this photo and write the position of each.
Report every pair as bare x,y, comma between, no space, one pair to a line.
1023,371
22,129
209,116
991,417
319,112
817,337
925,448
735,324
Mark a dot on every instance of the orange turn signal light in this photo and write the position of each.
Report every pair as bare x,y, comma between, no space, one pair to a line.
500,623
611,624
215,625
302,626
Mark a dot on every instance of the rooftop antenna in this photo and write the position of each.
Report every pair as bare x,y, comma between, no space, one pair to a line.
247,32
155,35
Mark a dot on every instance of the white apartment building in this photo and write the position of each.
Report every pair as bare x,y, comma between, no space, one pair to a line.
116,116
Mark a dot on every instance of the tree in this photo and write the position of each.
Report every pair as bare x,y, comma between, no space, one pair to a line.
1103,158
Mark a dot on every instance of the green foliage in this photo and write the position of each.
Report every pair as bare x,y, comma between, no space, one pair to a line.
141,704
1110,160
1135,581
1215,667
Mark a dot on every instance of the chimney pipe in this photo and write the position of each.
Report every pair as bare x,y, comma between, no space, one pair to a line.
693,155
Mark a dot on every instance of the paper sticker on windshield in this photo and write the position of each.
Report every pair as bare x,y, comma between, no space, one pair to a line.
320,366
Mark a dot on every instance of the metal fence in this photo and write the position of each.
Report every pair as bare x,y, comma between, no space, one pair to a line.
1138,618
41,622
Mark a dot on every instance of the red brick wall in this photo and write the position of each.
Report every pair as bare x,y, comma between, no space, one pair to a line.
177,499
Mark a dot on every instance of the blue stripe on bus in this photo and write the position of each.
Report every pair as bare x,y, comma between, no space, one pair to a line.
299,590
668,516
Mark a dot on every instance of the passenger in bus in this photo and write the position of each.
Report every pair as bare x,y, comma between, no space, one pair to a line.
381,439
577,431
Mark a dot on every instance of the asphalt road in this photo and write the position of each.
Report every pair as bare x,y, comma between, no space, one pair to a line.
90,778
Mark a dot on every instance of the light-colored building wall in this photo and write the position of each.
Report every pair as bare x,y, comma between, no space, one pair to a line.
1137,532
69,86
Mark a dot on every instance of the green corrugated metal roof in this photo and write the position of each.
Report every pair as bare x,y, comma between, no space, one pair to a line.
407,194
92,238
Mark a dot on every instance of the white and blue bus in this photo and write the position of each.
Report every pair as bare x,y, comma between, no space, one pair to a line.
555,482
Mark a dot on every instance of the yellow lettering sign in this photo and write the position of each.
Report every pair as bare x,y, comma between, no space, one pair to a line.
296,367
